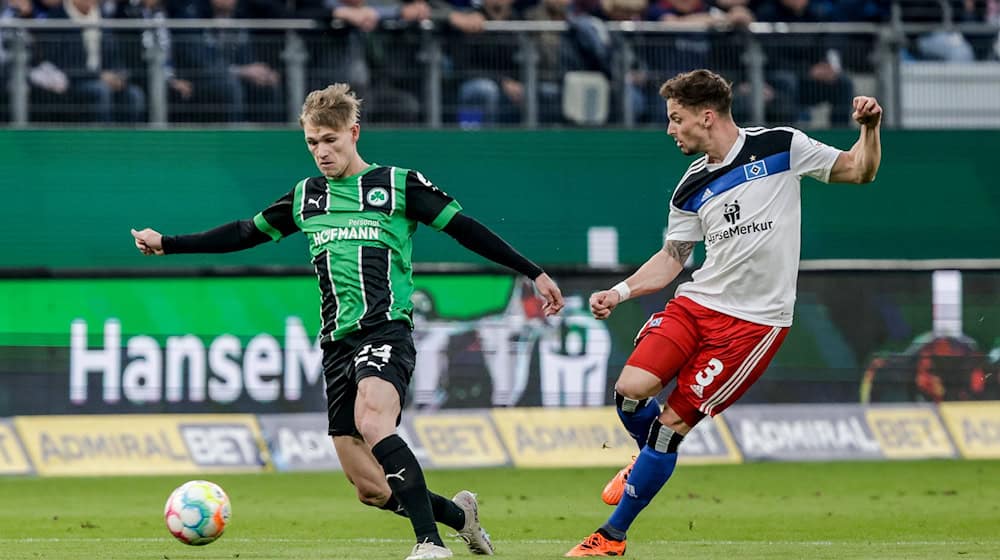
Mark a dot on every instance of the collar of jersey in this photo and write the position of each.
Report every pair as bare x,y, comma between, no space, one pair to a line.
733,152
352,178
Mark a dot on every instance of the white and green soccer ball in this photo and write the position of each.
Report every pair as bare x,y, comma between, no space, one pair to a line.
197,512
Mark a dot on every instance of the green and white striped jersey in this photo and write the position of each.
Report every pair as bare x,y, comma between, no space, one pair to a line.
360,231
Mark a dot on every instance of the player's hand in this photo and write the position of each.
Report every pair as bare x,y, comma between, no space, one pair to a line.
867,111
603,303
148,241
550,293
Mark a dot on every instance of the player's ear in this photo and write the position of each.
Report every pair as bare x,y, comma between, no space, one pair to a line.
707,118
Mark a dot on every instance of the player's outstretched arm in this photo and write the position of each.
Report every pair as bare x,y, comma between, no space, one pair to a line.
234,236
479,239
860,164
654,275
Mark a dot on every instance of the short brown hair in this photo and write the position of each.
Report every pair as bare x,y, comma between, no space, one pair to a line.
334,106
700,89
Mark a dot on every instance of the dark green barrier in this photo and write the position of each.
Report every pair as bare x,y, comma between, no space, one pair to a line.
71,196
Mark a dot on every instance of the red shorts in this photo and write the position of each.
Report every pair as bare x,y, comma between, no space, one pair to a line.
715,357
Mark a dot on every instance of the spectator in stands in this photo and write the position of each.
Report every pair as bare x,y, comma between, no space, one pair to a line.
490,91
554,48
588,7
685,51
394,56
336,50
585,46
731,13
857,50
180,91
79,74
624,10
460,15
691,50
591,36
640,87
254,86
978,11
943,45
809,65
365,38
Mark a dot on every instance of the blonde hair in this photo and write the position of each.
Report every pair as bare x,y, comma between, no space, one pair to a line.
334,106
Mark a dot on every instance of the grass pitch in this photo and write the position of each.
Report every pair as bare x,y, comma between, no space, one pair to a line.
913,510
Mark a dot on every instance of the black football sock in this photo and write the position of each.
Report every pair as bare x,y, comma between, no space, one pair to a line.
393,505
445,510
406,479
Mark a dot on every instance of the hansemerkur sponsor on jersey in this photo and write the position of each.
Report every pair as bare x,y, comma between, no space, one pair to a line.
755,227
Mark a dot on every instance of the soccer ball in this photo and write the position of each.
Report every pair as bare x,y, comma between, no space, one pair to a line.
197,512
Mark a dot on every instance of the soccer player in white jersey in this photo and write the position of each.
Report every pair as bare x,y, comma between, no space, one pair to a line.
721,329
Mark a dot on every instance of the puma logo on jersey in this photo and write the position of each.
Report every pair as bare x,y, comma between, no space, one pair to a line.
398,475
315,201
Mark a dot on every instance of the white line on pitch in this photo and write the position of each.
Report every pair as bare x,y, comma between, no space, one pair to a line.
28,540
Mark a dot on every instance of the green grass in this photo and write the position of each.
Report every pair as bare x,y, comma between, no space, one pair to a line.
913,510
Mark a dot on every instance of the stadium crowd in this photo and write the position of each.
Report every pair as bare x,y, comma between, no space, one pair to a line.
238,75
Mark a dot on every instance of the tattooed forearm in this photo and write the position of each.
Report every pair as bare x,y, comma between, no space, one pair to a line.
679,250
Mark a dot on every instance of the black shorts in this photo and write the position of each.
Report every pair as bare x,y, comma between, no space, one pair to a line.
385,351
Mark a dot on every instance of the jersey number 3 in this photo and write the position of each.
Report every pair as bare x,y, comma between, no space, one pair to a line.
707,375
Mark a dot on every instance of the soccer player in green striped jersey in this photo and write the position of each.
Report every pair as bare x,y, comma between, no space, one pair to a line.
359,219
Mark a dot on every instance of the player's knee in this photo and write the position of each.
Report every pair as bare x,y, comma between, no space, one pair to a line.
627,403
637,384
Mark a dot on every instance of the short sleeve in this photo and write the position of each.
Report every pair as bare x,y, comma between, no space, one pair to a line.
811,157
683,226
428,204
278,219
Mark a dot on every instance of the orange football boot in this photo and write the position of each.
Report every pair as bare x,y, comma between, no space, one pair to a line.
597,545
615,487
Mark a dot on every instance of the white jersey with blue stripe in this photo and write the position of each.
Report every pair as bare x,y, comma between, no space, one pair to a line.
747,210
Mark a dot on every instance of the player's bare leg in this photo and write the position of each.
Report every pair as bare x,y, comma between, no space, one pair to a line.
362,470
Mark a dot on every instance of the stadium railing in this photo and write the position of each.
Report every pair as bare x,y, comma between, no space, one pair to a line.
421,76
